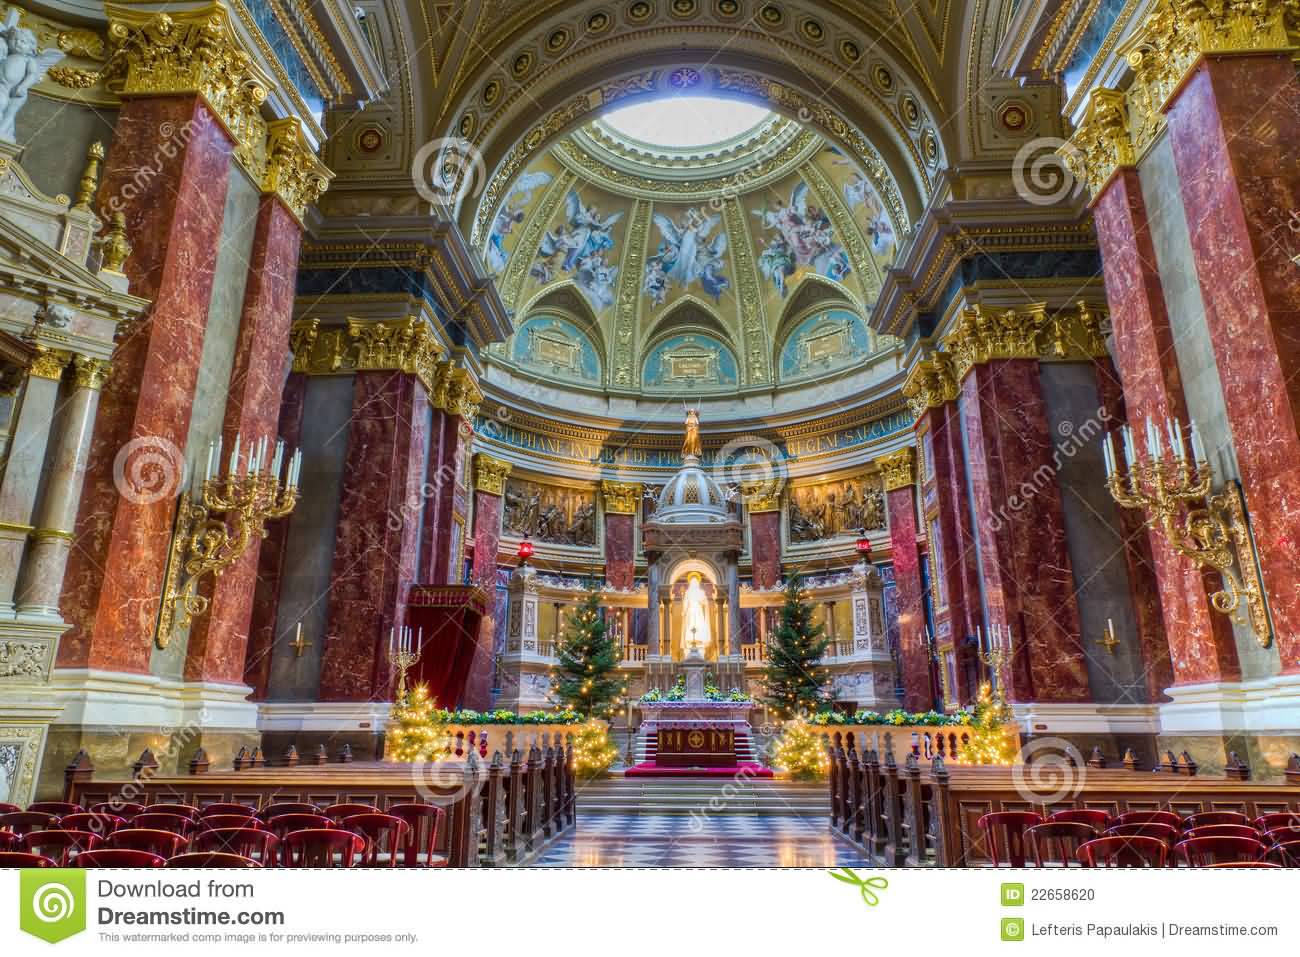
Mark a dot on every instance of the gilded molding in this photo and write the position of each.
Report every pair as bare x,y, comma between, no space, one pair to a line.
88,373
455,391
293,171
930,384
623,365
490,474
753,319
981,335
621,498
896,469
1102,143
302,341
52,534
405,345
191,51
761,496
49,363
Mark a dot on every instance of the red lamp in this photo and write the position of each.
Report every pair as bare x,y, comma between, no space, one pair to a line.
863,545
525,551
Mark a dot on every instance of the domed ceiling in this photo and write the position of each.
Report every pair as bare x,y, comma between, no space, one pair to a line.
689,247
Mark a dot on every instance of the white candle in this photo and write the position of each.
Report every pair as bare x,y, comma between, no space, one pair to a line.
1173,437
279,457
1180,448
1198,450
234,457
979,637
1108,454
392,640
207,472
1130,454
299,636
1110,627
419,638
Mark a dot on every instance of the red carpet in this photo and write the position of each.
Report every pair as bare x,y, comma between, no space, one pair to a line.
648,769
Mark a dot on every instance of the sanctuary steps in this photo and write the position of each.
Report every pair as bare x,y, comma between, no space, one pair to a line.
720,795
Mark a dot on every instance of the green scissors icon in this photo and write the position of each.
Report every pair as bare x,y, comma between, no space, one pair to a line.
863,884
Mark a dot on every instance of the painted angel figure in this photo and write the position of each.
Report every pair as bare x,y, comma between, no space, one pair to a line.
510,215
687,253
588,233
22,66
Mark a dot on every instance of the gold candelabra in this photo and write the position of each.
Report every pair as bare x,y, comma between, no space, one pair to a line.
1175,491
215,526
404,653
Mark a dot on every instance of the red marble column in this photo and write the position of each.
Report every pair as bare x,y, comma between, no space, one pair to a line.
620,550
271,556
218,640
914,655
1024,562
1200,640
1234,126
957,608
487,538
172,190
449,446
765,548
375,549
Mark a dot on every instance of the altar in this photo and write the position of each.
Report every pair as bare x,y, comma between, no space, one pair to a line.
696,734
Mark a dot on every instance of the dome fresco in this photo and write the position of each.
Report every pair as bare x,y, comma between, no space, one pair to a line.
710,267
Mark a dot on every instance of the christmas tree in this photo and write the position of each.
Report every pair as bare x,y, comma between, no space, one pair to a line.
800,751
795,681
586,678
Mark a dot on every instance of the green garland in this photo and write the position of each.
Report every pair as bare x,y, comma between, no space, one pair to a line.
502,716
897,718
678,693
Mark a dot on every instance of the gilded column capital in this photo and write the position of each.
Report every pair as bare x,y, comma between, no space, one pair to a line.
621,498
896,469
404,345
1102,143
302,343
89,373
1029,332
49,363
191,51
490,474
930,384
763,495
293,170
455,391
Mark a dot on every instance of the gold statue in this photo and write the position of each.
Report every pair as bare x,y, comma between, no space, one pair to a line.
692,444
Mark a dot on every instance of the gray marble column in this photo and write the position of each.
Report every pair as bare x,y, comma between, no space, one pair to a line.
22,475
41,580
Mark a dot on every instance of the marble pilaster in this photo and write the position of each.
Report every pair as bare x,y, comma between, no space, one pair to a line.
914,656
765,547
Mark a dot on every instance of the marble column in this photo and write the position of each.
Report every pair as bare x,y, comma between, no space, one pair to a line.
489,488
173,218
24,461
1025,567
41,580
765,540
621,500
218,640
455,398
1233,126
1200,641
375,548
913,650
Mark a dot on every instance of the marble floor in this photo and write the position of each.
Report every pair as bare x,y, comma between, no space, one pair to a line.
685,840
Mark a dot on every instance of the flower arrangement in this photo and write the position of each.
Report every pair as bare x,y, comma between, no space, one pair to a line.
678,693
504,716
897,718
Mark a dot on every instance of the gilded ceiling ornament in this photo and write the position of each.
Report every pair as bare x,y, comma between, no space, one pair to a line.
293,171
931,383
302,340
621,498
762,496
114,248
490,474
627,309
753,319
89,373
896,469
1029,332
191,51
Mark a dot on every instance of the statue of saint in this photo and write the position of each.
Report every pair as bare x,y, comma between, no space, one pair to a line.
695,617
692,444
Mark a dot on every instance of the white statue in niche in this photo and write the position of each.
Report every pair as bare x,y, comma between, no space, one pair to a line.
22,66
695,619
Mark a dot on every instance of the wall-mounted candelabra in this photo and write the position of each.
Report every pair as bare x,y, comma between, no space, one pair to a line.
404,653
1175,491
218,521
994,650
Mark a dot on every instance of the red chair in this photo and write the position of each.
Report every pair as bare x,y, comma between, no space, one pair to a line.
11,859
60,846
1096,818
162,843
1279,821
126,809
59,808
1206,818
275,810
6,808
321,848
1150,817
1204,851
385,836
165,821
287,823
426,821
220,821
1124,852
92,821
1285,853
211,859
227,807
337,812
1245,864
1164,832
258,844
184,810
24,822
117,857
1058,842
1224,830
9,841
1005,831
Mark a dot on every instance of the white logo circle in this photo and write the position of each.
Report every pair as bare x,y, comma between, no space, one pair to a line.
148,469
52,903
1042,170
1050,771
448,170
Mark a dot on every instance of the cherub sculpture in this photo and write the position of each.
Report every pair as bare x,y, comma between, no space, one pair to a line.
22,66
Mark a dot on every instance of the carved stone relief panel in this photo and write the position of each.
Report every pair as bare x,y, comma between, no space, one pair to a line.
829,509
552,514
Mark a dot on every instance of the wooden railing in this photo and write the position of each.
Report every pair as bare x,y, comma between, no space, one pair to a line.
752,652
634,652
926,741
921,813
